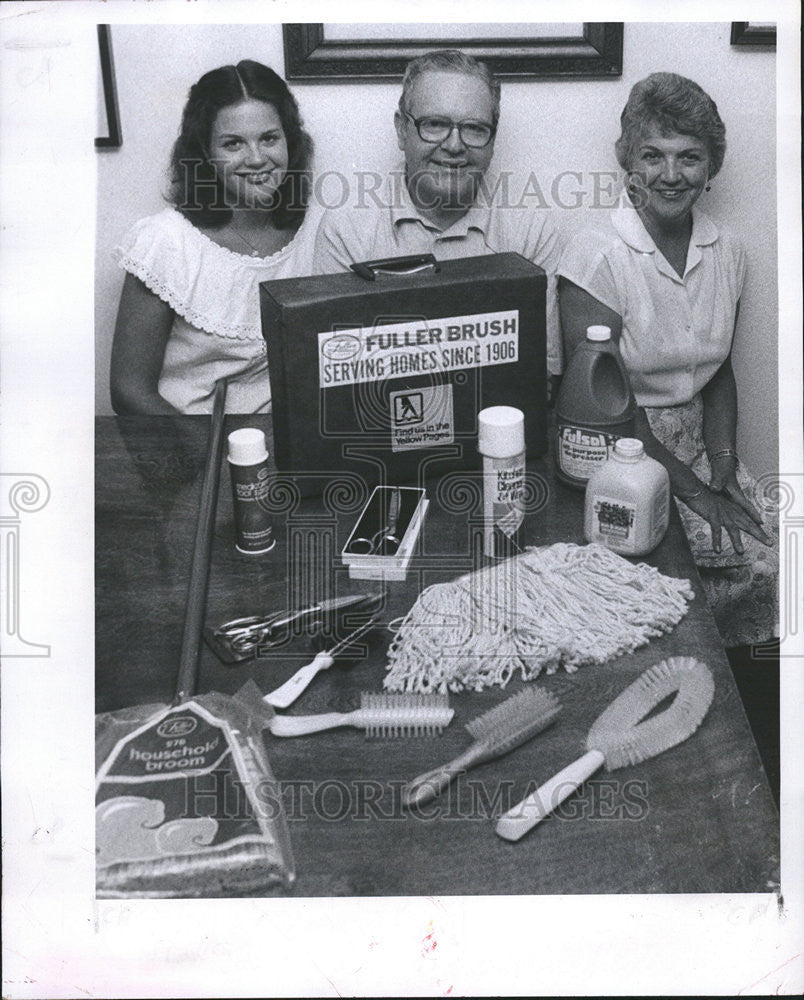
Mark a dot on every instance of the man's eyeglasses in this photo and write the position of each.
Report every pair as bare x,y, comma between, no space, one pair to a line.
431,129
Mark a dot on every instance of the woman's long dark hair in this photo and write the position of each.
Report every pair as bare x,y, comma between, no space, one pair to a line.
195,189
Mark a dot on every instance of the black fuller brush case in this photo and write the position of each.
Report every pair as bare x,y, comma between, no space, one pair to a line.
381,375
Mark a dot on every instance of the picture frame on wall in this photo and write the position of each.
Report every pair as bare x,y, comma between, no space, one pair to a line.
378,51
753,33
114,138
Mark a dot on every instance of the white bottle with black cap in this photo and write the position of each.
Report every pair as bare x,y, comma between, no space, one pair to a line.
248,463
501,442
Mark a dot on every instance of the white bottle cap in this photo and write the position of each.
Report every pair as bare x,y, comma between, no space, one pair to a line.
500,431
247,446
598,333
628,448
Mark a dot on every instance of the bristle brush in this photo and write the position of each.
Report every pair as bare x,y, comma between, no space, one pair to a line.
379,714
497,731
622,735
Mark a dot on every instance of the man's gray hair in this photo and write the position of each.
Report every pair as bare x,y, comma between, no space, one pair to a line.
450,61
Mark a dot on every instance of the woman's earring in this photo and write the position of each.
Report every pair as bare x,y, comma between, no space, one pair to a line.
708,187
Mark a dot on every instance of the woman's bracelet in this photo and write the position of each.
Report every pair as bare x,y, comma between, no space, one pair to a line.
725,453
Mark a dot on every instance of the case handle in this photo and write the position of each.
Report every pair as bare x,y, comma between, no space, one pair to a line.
395,265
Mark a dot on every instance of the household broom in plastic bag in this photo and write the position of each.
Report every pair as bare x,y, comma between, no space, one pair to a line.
185,801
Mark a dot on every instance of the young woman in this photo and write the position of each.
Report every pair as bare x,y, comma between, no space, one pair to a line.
667,280
189,311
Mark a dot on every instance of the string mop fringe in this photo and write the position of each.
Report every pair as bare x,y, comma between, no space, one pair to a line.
560,605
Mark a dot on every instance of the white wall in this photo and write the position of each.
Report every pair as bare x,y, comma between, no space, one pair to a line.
547,127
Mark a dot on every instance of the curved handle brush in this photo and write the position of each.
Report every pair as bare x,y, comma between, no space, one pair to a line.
625,733
291,689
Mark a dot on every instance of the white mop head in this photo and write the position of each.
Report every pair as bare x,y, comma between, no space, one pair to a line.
561,605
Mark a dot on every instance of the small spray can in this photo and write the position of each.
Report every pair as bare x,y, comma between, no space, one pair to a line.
248,464
501,442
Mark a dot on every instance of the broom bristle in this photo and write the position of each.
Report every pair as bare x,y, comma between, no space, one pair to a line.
625,736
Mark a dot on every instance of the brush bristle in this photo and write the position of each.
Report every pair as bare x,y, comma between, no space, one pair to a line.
390,715
621,735
516,719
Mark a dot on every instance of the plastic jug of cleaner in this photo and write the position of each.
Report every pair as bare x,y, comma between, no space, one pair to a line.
594,407
628,501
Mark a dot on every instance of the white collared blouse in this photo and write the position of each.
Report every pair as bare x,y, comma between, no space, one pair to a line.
677,331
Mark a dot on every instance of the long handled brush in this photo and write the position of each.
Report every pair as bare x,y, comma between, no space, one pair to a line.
497,731
186,804
625,733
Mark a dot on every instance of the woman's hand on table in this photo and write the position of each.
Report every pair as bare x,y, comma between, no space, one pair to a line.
731,511
724,480
722,503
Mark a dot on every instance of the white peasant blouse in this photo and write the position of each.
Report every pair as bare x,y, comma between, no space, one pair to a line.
214,294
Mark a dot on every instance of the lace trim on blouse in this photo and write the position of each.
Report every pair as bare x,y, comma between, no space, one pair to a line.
213,288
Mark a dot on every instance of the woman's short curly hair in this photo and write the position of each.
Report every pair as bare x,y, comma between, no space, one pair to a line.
195,189
672,103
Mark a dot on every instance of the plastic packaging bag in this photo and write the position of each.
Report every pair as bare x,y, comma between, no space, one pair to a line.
186,804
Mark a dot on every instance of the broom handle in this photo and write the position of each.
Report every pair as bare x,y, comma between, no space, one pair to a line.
522,817
202,550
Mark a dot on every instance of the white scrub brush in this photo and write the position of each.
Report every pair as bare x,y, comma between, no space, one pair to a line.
622,735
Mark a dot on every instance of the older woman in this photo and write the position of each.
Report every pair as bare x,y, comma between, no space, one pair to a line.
189,310
667,280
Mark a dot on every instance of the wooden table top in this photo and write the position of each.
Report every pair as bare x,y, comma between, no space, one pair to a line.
698,818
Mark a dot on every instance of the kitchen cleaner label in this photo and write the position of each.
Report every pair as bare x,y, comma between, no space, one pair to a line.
581,450
503,501
417,347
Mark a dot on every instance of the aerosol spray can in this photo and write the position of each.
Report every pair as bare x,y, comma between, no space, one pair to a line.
501,442
248,463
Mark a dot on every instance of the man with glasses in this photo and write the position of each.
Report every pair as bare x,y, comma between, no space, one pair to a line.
445,125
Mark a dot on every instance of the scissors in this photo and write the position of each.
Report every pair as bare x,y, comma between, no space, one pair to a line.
377,543
243,638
